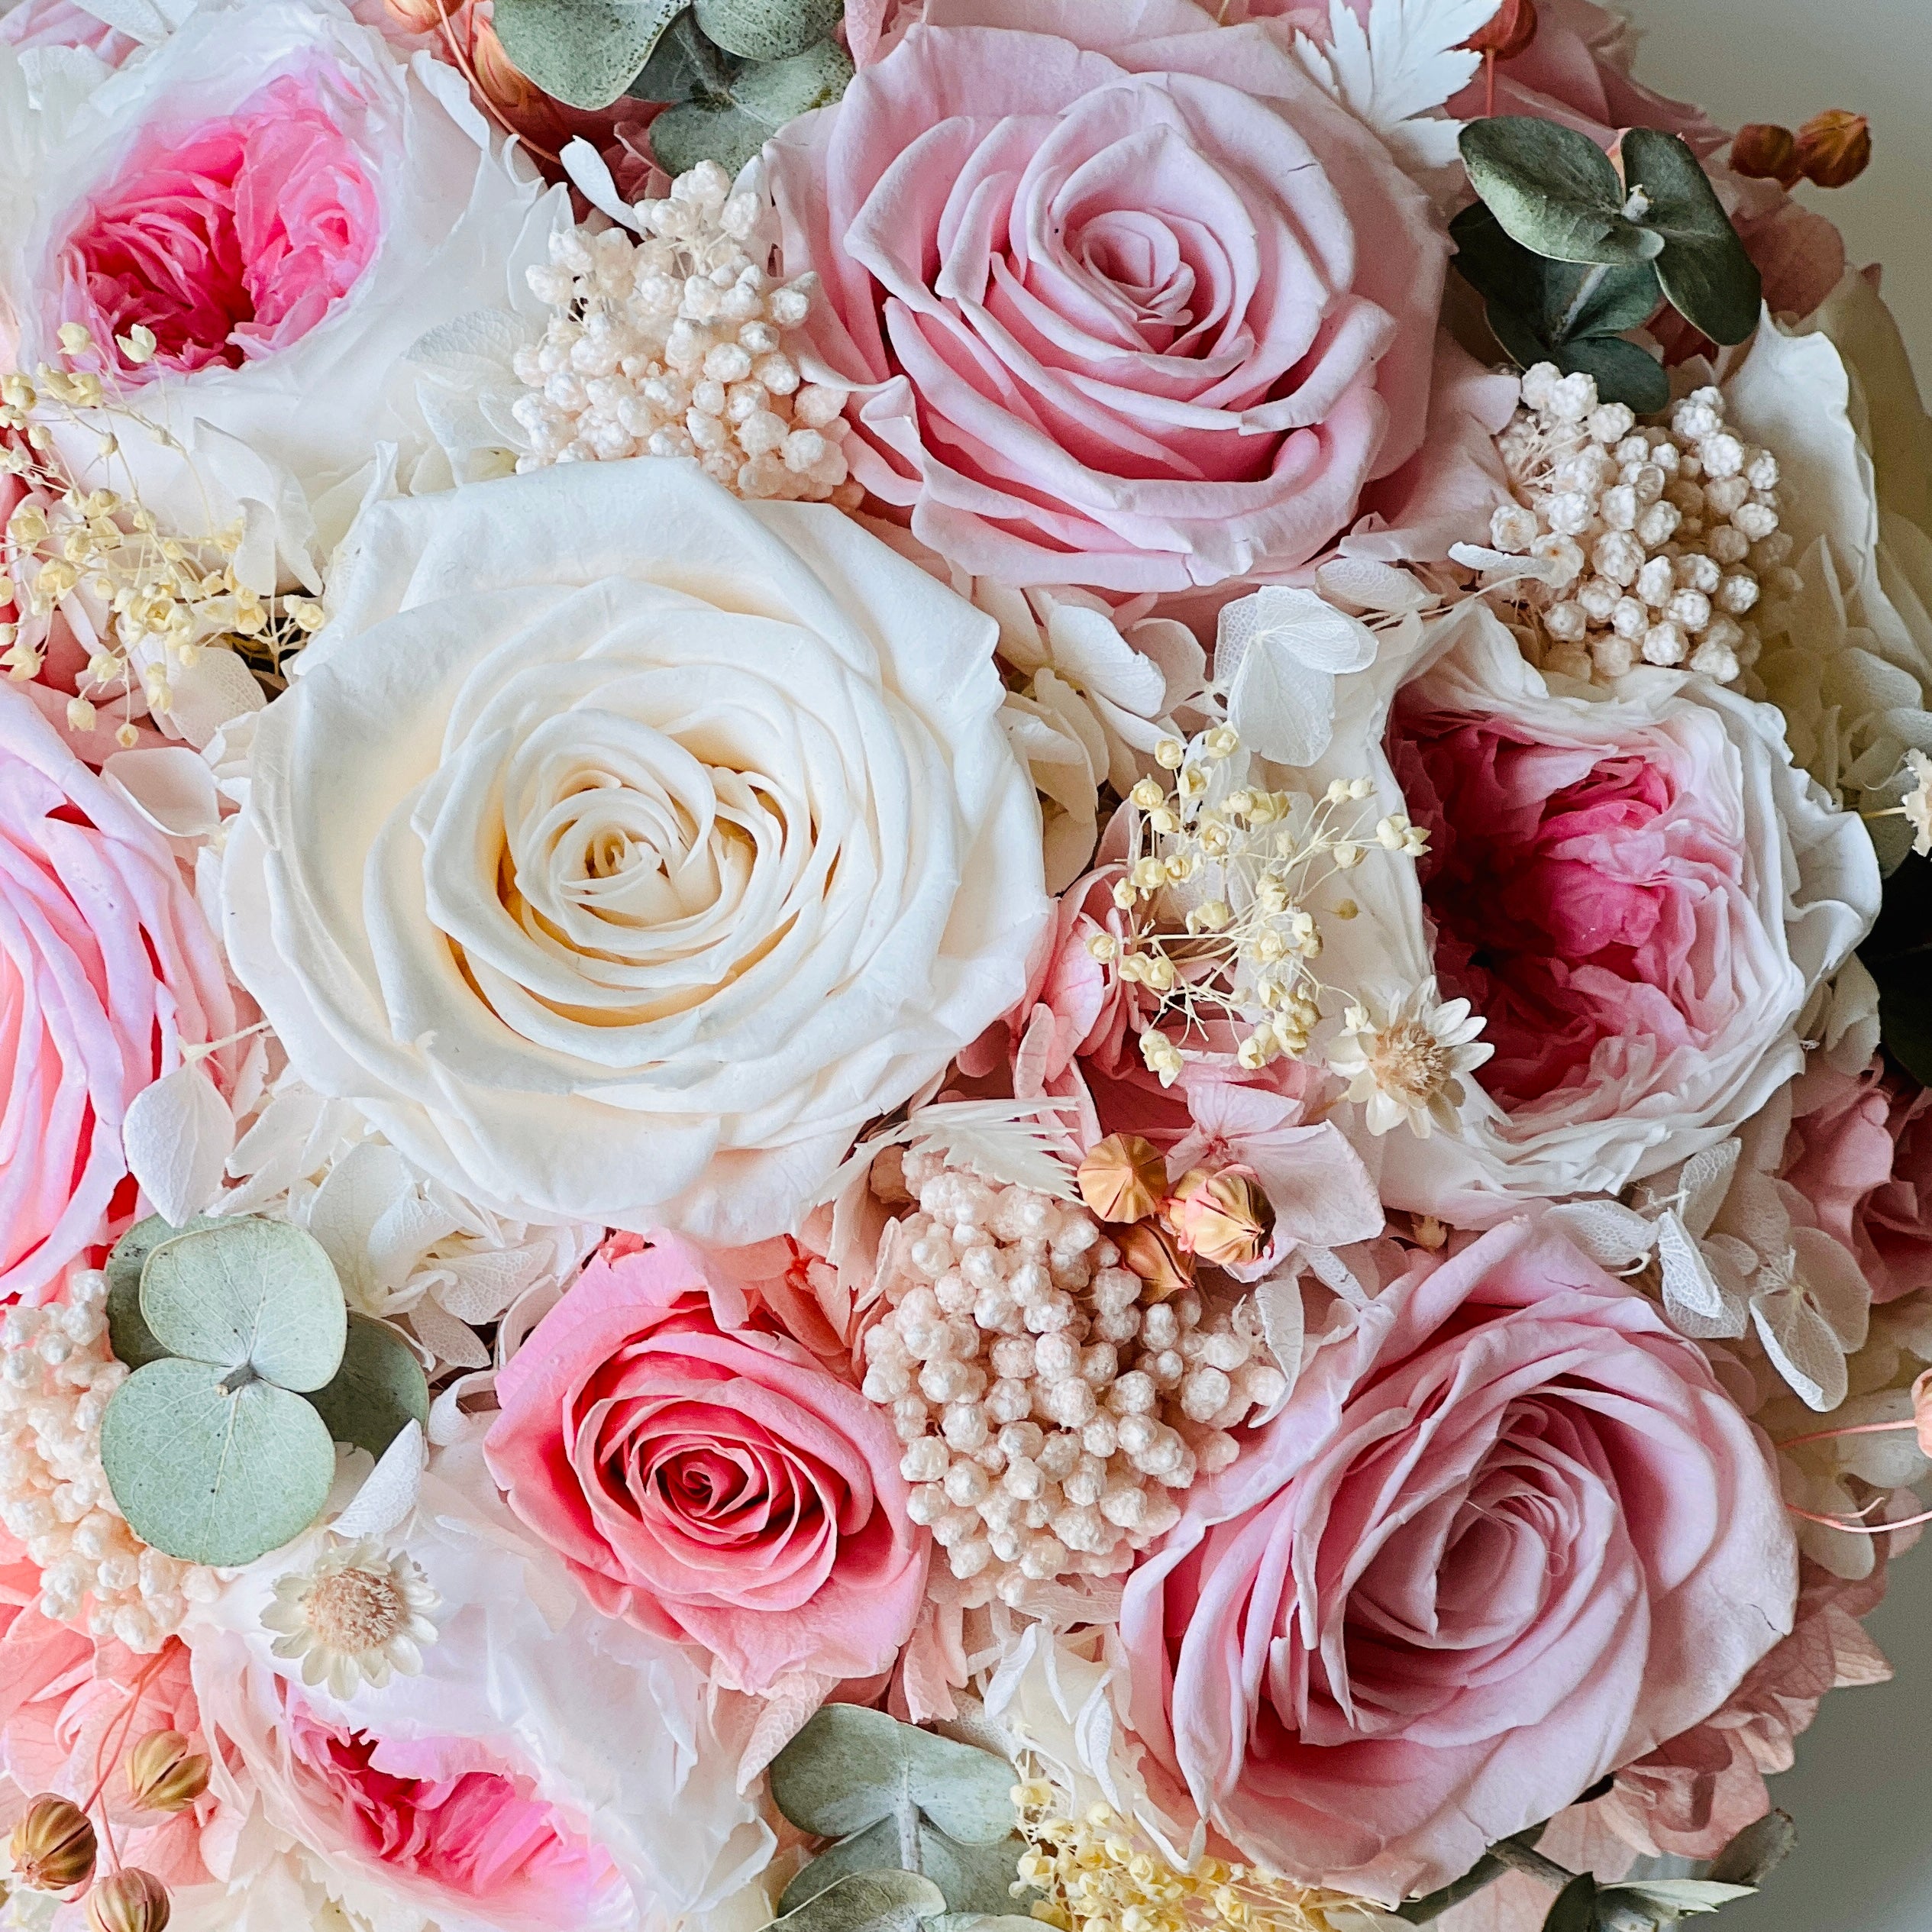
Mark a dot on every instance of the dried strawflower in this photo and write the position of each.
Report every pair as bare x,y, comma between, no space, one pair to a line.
128,1900
1224,1218
165,1772
357,1614
1123,1178
1834,148
1407,1066
53,1847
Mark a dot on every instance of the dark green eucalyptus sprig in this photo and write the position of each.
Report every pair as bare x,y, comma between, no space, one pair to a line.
1569,253
248,1368
1898,952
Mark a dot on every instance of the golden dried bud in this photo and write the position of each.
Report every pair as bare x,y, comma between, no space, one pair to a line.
1834,148
1153,1253
163,1774
1224,1218
54,1847
1766,152
128,1900
1123,1178
1509,31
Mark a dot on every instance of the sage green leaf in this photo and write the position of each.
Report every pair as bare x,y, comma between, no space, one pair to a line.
684,66
849,1767
1575,1908
702,130
1898,953
1554,190
130,1338
260,1293
775,91
585,52
867,1901
977,1879
1623,373
767,30
378,1390
982,1922
1757,1851
212,1473
1711,280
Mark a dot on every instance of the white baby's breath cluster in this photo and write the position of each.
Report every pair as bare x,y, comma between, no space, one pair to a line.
674,344
57,1371
1651,544
1049,1405
1219,898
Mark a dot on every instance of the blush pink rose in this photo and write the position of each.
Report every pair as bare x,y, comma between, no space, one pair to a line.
1507,1536
708,1480
1128,300
107,970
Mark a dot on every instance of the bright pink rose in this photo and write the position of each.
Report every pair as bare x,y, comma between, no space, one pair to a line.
107,970
230,240
1129,301
1507,1536
707,1480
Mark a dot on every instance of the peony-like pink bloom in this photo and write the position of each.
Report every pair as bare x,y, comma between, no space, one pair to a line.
1128,301
707,1480
107,970
230,239
1507,1536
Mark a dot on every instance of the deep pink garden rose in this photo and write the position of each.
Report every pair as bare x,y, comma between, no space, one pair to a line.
707,1479
1507,1536
107,970
1129,301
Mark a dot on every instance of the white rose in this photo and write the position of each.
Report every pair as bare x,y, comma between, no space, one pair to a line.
310,386
623,848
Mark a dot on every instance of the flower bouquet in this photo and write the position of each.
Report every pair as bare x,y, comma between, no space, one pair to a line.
962,965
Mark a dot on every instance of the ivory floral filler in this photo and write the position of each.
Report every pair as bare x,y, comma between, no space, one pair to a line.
963,966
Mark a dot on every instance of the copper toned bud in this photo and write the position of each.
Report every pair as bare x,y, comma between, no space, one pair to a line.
503,84
1123,1179
128,1900
1834,148
1156,1257
1509,32
1766,152
53,1846
163,1774
415,16
1224,1218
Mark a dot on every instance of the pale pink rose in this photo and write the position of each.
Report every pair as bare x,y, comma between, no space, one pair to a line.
1506,1537
707,1479
107,970
1129,301
1861,1156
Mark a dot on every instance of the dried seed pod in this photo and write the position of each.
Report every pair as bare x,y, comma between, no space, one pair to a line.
1834,148
128,1900
1508,32
1123,1179
1155,1254
1224,1218
164,1774
1766,152
53,1846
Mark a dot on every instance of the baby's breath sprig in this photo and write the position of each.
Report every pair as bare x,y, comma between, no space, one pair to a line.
1219,894
146,602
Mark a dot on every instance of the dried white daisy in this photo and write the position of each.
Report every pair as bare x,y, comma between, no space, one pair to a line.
356,1615
1409,1065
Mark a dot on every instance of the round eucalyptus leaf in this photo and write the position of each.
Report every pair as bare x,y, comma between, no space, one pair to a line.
211,1473
767,30
1711,280
585,52
258,1292
868,1902
975,1878
378,1390
702,130
775,91
684,66
131,1339
1625,372
1554,190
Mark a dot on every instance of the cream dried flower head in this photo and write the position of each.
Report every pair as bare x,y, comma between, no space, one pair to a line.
356,1615
1917,805
1408,1066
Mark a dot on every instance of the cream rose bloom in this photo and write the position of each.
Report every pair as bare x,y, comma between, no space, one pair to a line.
621,848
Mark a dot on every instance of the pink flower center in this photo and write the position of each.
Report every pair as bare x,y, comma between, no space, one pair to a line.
230,240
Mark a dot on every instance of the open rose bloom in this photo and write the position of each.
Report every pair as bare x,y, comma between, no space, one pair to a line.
904,1015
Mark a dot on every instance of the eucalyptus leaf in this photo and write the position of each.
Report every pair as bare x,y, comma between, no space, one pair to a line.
1576,1907
976,1879
584,52
890,1901
701,131
378,1391
767,30
684,66
1554,190
1757,1851
1898,953
130,1338
259,1293
1623,373
1711,280
775,91
1558,299
849,1767
210,1474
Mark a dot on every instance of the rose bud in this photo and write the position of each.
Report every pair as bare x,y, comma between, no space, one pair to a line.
1766,152
128,1900
1153,1253
1834,148
163,1775
1224,1218
1509,31
53,1846
1123,1178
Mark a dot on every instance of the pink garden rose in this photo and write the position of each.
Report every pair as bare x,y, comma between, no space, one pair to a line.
107,970
1128,299
1507,1536
707,1479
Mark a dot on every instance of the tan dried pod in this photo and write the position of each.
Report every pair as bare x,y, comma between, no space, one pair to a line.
1224,1218
1123,1178
165,1773
1152,1252
1834,148
54,1846
128,1900
1764,151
